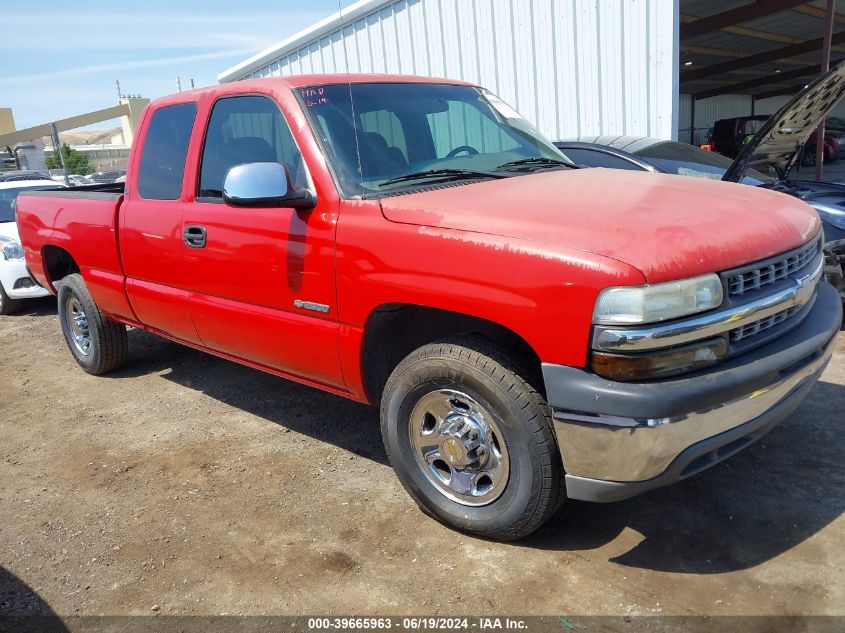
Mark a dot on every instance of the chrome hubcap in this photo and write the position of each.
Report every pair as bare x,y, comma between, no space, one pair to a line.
78,326
459,447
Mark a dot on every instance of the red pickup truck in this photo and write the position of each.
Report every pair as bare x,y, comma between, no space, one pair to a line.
532,331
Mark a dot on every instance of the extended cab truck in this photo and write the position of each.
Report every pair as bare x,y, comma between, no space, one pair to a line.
531,331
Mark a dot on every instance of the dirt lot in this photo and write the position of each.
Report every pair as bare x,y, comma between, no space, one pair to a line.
197,486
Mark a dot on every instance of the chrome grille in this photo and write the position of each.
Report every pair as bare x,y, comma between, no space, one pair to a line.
750,329
772,271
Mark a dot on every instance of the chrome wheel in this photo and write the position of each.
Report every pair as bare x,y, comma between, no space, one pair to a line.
77,323
459,447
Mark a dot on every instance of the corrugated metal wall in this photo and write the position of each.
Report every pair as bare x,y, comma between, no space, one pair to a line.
572,67
710,110
707,111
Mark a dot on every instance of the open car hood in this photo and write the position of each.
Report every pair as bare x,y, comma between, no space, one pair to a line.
780,140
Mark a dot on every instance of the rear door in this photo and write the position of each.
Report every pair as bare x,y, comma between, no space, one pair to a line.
261,278
151,223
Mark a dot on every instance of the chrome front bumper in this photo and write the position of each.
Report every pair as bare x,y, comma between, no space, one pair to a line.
618,439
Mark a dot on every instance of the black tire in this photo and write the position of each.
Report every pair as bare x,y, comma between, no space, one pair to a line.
535,487
107,340
7,305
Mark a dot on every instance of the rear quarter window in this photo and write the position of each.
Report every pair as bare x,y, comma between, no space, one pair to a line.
165,148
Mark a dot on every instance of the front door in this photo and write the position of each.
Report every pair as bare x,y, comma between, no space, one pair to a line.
261,279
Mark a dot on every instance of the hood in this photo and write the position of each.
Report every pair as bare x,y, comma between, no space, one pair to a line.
9,230
666,226
779,141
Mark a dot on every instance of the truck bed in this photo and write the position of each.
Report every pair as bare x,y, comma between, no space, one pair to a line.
110,188
77,224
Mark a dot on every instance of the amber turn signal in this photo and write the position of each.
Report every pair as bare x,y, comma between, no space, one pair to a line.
659,364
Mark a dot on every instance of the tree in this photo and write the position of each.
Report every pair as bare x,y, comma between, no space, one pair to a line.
76,162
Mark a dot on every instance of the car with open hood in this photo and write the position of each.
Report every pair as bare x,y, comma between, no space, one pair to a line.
770,160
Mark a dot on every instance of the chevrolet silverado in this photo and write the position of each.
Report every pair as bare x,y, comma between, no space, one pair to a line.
531,331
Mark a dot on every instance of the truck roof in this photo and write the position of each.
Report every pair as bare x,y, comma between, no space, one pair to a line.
299,81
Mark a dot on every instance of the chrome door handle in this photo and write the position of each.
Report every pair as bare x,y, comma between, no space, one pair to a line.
194,236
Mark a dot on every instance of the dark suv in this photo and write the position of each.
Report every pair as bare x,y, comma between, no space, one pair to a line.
729,134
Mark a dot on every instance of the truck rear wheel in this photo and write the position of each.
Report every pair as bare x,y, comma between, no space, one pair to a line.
471,440
97,343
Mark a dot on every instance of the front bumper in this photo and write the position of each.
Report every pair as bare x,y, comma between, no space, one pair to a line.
618,439
13,274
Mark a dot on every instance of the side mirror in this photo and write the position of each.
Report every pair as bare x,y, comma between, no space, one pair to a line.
264,185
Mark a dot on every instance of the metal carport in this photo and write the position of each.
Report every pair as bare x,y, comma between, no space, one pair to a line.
749,57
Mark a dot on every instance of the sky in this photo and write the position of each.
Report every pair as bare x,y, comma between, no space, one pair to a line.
59,58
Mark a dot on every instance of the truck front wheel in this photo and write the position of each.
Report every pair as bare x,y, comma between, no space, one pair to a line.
97,343
471,440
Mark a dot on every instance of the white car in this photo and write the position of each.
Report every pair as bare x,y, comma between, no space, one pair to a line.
15,281
75,180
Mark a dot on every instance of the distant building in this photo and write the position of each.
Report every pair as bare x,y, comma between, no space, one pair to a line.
31,155
7,121
101,157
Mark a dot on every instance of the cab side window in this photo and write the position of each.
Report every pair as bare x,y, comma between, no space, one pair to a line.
165,148
248,129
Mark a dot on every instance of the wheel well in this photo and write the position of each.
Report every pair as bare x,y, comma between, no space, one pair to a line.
58,263
395,330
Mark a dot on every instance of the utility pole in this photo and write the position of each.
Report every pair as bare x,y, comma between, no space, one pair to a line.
57,146
178,84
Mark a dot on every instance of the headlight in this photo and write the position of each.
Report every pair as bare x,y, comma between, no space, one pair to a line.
660,302
831,215
12,250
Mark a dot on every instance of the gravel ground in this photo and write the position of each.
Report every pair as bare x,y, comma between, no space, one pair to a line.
185,484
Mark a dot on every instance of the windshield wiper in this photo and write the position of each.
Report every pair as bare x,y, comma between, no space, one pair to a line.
450,174
539,161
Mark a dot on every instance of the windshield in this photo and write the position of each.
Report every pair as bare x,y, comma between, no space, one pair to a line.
8,197
403,129
689,160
